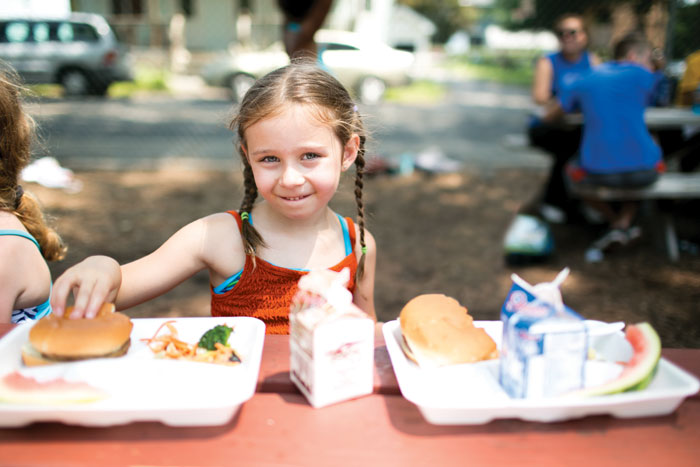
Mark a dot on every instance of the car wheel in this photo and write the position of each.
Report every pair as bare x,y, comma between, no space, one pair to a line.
75,82
239,84
371,90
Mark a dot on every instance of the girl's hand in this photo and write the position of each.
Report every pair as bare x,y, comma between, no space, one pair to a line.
93,281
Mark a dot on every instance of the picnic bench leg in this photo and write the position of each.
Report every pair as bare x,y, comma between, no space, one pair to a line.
670,237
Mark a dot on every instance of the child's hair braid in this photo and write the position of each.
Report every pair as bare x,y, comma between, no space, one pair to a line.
359,185
16,135
302,82
251,237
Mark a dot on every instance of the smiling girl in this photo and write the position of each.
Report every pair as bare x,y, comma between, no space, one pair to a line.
298,130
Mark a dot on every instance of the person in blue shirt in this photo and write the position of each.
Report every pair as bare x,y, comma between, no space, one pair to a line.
617,149
26,241
552,73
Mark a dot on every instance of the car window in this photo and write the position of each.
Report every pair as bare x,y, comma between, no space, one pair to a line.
76,32
335,46
15,31
40,32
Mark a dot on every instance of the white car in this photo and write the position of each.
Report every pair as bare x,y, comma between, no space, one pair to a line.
364,66
80,52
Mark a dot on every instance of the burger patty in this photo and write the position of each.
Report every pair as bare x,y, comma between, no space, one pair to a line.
66,358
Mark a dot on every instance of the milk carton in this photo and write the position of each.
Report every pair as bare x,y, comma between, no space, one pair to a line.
331,341
544,345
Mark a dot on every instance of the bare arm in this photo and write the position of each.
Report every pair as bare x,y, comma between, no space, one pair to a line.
542,81
302,38
364,289
98,278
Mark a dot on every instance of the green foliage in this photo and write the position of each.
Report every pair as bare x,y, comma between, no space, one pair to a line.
219,333
447,15
547,11
685,31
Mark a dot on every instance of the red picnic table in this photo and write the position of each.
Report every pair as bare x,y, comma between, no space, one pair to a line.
277,426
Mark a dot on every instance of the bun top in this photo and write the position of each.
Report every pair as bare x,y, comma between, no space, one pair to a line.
439,331
83,337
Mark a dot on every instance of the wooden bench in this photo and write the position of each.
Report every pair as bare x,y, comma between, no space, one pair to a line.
669,186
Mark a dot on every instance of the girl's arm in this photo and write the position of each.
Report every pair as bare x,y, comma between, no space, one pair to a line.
99,278
364,289
542,81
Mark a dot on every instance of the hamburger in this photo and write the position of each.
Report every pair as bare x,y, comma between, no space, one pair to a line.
61,339
438,331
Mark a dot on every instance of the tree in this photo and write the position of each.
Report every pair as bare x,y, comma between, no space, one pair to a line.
447,15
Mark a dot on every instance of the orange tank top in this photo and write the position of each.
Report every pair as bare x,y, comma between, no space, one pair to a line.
265,291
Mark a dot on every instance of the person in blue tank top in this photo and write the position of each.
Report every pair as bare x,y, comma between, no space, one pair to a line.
26,241
552,72
617,149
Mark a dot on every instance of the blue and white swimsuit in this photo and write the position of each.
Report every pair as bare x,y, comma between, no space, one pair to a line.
34,312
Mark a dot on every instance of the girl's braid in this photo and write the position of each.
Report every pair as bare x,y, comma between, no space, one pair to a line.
251,237
359,185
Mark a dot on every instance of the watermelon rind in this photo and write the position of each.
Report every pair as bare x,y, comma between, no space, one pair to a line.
638,376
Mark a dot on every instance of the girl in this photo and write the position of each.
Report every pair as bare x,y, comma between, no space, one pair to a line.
26,242
298,129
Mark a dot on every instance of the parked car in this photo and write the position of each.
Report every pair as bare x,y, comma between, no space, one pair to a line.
80,52
364,66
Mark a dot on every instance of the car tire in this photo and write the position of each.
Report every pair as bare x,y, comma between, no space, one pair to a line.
371,90
239,85
75,82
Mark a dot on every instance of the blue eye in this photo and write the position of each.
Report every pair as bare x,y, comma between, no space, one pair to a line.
269,159
310,155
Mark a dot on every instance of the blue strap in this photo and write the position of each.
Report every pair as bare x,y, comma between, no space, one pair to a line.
19,233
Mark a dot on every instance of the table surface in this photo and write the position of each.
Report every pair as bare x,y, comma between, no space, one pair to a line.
657,118
277,426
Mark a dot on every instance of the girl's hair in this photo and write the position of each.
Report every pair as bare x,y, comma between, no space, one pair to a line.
301,82
16,135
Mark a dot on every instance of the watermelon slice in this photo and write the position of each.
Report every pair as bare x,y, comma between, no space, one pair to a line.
16,388
639,371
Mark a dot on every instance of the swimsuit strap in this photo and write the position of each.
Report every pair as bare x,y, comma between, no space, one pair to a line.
19,233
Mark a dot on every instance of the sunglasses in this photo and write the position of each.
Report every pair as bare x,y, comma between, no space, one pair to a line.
567,32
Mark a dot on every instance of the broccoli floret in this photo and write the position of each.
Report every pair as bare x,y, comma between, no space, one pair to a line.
219,333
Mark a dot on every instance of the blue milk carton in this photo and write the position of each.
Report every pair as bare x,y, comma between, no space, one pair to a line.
544,345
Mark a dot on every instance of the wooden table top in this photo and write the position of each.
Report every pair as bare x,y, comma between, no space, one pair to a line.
277,426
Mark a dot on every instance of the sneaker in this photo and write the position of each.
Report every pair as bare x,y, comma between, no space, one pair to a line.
552,214
633,233
613,238
593,255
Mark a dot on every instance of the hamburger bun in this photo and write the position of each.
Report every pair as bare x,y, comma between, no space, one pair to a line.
58,339
438,331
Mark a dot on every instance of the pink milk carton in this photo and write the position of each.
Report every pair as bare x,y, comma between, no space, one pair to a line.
331,340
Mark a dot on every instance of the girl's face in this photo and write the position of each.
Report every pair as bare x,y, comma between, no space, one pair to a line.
297,161
572,37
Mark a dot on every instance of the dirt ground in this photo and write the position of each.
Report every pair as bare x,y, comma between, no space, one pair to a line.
435,233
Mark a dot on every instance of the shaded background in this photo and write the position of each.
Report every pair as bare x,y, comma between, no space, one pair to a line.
156,154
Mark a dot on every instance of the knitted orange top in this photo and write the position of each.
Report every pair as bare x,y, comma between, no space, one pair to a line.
265,291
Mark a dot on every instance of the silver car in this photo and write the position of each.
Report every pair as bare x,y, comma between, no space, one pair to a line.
80,52
364,66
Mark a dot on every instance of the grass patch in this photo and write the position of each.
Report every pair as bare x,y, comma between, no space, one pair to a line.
510,67
145,80
419,92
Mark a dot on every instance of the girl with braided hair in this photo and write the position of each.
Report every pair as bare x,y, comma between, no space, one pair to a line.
298,130
26,241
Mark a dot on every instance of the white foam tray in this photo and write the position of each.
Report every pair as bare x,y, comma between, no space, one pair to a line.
141,387
470,394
